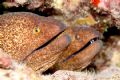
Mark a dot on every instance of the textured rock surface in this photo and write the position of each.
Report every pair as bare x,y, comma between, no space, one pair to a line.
11,70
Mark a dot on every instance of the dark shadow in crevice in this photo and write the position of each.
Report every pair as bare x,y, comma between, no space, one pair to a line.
46,12
49,71
112,31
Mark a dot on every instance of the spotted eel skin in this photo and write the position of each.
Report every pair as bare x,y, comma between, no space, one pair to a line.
41,42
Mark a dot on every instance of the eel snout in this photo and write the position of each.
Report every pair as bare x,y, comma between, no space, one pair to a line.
84,46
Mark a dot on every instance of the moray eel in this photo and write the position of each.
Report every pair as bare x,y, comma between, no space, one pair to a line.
84,46
41,42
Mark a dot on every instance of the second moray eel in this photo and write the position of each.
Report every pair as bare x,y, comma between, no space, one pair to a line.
41,42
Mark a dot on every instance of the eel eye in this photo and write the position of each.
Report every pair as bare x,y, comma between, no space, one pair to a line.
36,30
77,37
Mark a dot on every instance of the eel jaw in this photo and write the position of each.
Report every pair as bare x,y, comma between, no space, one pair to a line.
43,58
81,49
82,58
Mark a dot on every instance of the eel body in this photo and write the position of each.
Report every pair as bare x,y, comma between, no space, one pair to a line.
41,42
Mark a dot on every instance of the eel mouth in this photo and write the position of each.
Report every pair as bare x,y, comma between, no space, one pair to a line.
43,46
81,49
41,57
